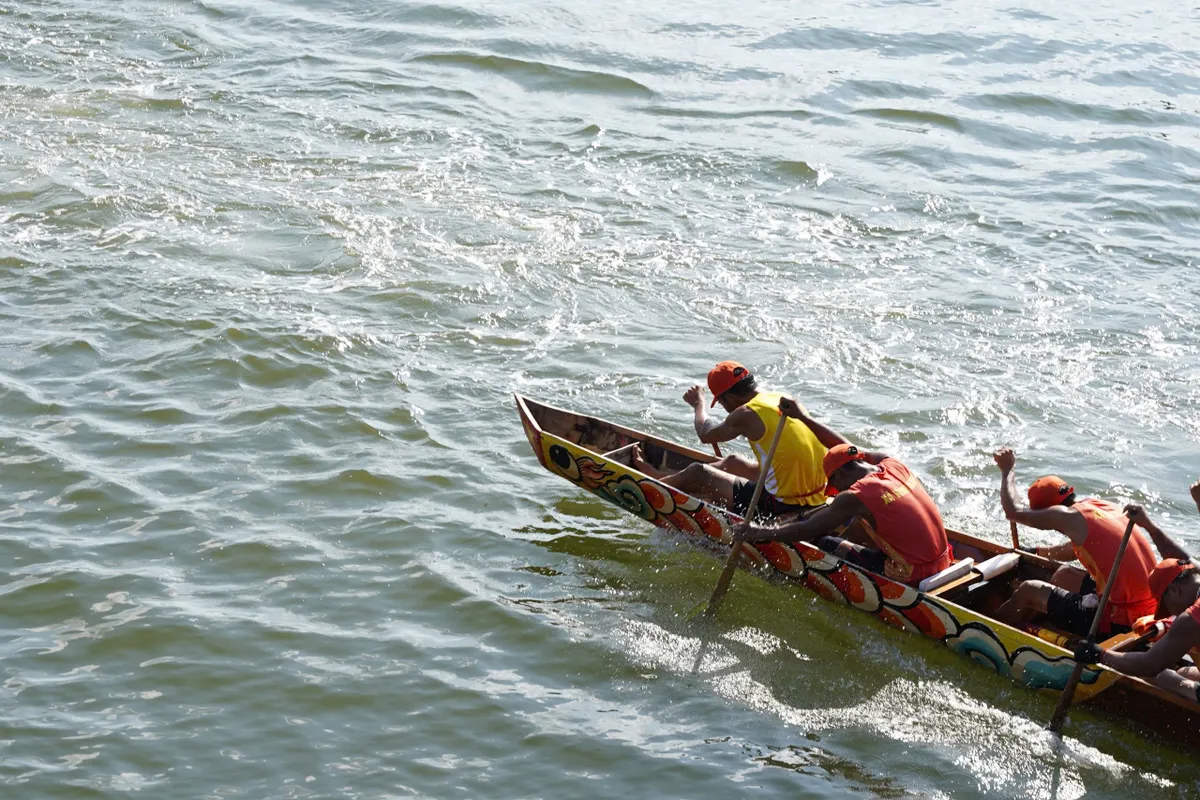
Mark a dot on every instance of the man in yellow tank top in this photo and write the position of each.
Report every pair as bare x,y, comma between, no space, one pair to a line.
795,479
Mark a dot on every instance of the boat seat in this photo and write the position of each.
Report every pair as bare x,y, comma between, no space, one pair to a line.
979,574
954,573
621,454
955,584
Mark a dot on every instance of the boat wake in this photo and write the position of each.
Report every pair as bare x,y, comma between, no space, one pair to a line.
1003,753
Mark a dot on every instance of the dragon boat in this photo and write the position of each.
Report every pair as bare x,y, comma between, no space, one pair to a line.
594,454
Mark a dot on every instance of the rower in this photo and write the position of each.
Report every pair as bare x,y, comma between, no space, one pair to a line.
903,521
1095,529
794,480
1180,585
1175,584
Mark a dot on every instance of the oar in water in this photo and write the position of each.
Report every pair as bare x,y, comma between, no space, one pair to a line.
1064,702
723,582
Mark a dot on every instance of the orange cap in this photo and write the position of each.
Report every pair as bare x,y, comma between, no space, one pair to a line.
1165,574
1048,491
838,457
723,376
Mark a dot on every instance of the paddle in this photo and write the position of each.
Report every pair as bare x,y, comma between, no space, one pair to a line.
1064,702
726,578
1012,526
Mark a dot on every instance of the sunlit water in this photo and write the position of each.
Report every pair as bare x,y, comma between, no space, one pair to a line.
270,272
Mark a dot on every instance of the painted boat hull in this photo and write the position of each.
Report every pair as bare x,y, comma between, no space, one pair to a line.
574,447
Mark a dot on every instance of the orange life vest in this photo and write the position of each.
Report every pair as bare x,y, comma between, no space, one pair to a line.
1131,597
908,527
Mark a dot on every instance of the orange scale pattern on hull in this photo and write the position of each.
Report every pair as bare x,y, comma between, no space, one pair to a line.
849,583
708,523
821,585
658,499
778,555
892,618
675,521
926,621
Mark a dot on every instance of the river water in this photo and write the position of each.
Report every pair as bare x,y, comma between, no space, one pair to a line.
270,272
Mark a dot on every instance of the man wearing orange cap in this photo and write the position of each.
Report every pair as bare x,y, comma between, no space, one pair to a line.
1175,583
902,519
794,480
1095,529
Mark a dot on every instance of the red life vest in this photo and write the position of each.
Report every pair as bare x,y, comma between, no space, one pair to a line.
1131,597
908,526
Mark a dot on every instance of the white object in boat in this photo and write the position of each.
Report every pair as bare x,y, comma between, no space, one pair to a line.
955,570
998,564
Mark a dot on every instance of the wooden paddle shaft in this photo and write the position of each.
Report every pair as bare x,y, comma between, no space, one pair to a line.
1012,526
723,582
1064,702
717,449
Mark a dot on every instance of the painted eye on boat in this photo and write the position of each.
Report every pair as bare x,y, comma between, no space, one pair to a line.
562,459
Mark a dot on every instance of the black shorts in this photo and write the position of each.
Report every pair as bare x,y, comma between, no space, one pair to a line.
1066,611
865,557
768,504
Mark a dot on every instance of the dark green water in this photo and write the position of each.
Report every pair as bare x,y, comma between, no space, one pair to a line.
270,272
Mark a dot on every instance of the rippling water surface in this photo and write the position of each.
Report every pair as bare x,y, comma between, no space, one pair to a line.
269,273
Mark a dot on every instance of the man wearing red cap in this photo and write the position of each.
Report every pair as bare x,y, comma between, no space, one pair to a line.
1095,529
1175,583
794,480
902,519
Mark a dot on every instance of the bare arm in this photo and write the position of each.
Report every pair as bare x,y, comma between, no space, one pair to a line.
1195,490
1056,518
1066,521
1061,552
1183,635
741,422
1167,548
826,436
839,511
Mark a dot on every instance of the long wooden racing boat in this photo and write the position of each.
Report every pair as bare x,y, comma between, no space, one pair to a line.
595,455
